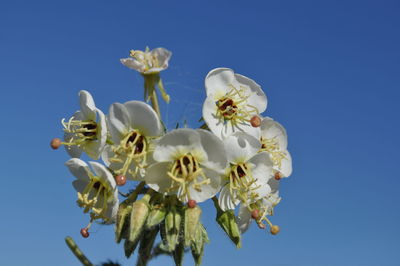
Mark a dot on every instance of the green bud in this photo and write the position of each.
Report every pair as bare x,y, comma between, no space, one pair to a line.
172,227
156,216
228,223
197,246
192,224
123,220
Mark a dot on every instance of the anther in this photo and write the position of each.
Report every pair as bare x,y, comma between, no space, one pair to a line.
261,225
254,214
120,180
191,203
85,232
55,143
255,121
275,229
278,176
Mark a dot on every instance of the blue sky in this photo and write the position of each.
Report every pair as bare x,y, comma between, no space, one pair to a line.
330,70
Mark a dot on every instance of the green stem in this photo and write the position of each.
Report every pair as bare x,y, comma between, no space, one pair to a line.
77,252
154,102
133,196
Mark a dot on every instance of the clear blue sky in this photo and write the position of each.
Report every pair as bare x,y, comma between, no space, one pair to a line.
330,69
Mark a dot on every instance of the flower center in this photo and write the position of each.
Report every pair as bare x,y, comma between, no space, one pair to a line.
186,173
233,106
242,183
132,149
272,147
94,197
147,59
81,131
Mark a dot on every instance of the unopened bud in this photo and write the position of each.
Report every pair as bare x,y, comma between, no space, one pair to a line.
172,228
275,229
278,176
228,223
55,143
255,121
85,232
120,180
191,203
156,216
139,213
255,214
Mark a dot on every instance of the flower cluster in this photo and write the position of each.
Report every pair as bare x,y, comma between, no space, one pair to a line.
236,158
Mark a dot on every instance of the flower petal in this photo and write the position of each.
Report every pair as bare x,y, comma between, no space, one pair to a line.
79,169
240,147
73,150
102,172
257,96
286,165
162,55
225,200
178,143
207,190
133,64
156,177
271,129
218,80
88,107
273,184
118,122
214,148
144,118
262,169
243,219
79,185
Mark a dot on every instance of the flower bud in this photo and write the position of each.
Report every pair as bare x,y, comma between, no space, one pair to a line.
192,224
139,213
55,143
123,220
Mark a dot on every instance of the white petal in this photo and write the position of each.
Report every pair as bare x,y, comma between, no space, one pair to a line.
262,167
178,143
225,200
257,97
144,118
133,64
118,122
262,190
102,172
286,165
218,80
79,169
163,56
88,107
156,177
207,190
79,185
244,219
73,150
214,148
273,184
112,210
240,147
271,129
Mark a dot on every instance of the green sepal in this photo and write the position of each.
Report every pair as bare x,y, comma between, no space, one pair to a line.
178,254
130,246
156,216
227,221
197,246
146,245
191,224
139,213
173,221
123,220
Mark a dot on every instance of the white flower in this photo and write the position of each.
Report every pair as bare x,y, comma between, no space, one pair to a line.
97,191
189,165
247,179
86,130
148,62
274,141
133,127
232,100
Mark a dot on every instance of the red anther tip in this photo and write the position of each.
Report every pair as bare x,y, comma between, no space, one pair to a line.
192,203
255,121
120,180
55,143
278,176
254,214
85,232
